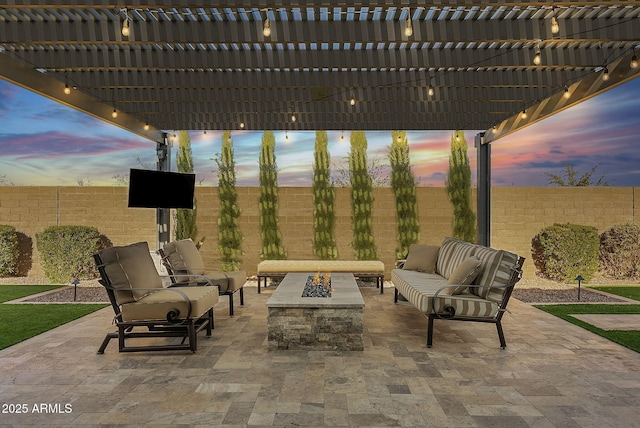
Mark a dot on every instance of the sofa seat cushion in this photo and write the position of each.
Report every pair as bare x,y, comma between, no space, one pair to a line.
353,266
228,282
156,305
419,288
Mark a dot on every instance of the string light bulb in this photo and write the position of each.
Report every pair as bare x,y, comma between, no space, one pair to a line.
342,136
353,100
430,91
266,27
523,115
241,125
605,74
537,58
408,29
67,89
555,27
114,113
566,94
286,135
634,61
293,115
125,24
146,126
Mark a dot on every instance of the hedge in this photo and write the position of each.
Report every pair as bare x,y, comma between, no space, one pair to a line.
8,250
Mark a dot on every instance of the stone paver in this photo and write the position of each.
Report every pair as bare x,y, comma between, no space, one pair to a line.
611,321
551,374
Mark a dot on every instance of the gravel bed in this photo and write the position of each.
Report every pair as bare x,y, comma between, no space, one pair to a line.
65,295
539,295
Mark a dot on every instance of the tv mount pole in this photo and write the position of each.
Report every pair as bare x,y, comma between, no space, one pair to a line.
163,216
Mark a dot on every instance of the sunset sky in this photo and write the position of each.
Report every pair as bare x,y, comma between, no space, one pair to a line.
46,143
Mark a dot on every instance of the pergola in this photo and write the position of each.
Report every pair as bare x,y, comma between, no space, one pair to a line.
321,65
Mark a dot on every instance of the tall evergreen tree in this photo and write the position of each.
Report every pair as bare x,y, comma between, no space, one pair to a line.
458,185
270,235
361,199
229,234
403,184
324,219
186,226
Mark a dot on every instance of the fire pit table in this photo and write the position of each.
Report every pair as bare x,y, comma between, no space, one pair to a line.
319,323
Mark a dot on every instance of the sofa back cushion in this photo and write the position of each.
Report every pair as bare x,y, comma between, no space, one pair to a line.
131,271
452,253
422,258
464,274
184,257
497,268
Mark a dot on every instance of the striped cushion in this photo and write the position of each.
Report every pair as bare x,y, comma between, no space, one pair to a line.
497,268
419,288
452,253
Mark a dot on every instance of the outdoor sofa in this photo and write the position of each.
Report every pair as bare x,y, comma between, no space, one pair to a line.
458,281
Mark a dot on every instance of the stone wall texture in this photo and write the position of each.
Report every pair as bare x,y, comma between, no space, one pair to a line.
517,214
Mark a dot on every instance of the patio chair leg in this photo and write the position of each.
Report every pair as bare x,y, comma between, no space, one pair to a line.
395,296
503,343
241,296
230,304
209,321
430,332
380,280
259,284
106,340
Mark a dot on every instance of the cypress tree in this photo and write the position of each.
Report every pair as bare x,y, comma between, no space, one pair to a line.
324,241
229,234
270,235
403,184
186,226
361,199
458,185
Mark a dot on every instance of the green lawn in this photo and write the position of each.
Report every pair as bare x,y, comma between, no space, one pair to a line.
629,339
19,322
11,292
630,292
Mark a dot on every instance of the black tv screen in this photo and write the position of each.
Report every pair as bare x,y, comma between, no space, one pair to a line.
160,189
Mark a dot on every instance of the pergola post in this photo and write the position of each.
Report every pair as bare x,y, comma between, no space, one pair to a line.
163,216
483,193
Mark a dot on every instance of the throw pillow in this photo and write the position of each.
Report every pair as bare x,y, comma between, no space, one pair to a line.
464,274
422,258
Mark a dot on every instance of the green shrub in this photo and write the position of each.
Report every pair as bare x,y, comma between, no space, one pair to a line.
563,251
620,251
66,252
8,250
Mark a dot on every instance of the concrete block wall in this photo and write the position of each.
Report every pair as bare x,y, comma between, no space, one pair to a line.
517,214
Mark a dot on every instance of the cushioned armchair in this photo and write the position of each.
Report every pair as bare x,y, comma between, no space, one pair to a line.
139,299
182,258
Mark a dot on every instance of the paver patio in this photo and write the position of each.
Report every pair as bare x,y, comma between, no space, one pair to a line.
551,374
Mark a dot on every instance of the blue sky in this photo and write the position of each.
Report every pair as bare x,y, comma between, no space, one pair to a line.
46,143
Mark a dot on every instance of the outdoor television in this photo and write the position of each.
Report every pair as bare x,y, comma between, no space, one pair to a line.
160,189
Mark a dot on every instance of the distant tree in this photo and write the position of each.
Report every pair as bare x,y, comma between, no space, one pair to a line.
324,219
186,226
84,181
229,234
569,177
361,199
378,171
403,183
458,185
4,181
270,235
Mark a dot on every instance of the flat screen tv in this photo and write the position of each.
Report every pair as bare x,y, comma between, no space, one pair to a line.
160,189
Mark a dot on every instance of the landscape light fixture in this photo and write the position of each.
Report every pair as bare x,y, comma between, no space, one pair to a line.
266,26
408,29
125,24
